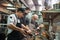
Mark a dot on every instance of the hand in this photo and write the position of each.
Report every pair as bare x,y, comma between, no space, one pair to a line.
38,28
29,31
23,31
36,33
25,27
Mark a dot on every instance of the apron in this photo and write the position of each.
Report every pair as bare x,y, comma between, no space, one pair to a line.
15,35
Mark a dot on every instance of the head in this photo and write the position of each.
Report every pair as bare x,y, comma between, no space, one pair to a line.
20,12
27,10
35,17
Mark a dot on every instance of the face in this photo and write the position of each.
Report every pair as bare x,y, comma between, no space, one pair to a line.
20,14
36,17
27,11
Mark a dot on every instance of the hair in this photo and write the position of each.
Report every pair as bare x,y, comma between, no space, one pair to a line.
35,15
21,9
27,8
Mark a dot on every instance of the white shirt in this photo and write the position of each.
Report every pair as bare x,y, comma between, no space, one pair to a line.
12,19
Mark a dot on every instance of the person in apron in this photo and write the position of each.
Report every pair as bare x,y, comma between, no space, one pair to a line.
15,31
25,21
33,25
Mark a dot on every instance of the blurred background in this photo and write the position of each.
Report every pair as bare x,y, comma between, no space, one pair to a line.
47,10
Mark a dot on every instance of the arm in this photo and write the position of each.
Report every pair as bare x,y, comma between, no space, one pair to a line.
26,28
13,27
11,24
26,23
